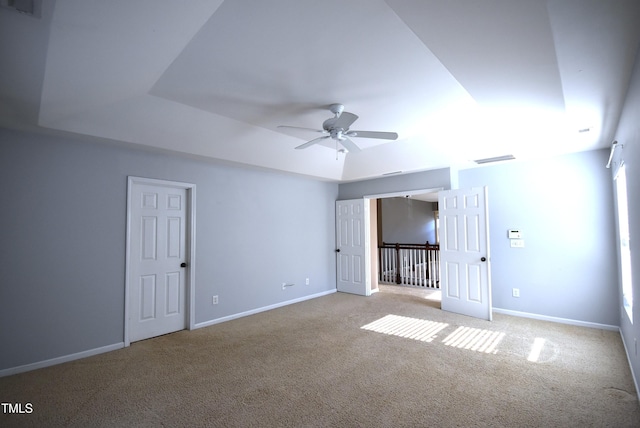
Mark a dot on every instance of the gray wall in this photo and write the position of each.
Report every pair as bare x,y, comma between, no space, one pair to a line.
563,206
629,135
438,178
407,221
62,241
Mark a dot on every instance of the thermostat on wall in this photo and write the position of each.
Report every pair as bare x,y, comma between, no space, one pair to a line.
514,234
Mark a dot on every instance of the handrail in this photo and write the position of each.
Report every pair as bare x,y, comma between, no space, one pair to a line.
411,264
426,245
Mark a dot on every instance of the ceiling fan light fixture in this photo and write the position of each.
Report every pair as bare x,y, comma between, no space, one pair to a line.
495,159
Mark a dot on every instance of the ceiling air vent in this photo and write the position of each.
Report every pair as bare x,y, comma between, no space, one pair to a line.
25,7
495,159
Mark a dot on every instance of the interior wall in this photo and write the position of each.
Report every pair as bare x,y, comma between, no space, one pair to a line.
433,179
628,134
408,221
62,240
567,268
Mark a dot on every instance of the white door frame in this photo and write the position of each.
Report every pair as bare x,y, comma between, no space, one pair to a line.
367,224
404,193
191,246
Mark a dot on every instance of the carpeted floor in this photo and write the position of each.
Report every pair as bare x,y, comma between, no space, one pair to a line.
390,360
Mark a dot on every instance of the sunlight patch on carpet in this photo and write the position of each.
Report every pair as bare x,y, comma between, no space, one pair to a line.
474,339
436,296
536,349
410,328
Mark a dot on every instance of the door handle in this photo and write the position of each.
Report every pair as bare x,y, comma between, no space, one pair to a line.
337,250
183,264
483,259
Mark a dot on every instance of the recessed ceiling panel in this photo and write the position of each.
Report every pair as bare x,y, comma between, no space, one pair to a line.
501,51
457,80
283,62
106,52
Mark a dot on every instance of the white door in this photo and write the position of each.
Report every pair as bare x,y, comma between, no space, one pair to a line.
157,260
465,275
352,247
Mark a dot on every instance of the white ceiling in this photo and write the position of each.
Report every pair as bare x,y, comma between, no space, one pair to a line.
457,80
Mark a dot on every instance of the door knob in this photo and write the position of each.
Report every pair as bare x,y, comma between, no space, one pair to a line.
483,259
337,250
183,264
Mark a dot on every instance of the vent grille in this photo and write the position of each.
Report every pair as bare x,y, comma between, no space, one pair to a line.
25,7
495,159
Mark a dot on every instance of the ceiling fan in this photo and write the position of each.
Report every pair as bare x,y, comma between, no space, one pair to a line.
337,128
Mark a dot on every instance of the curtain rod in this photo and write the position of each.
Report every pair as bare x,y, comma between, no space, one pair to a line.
613,149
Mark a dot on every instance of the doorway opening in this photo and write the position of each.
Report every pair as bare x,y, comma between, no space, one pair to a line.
376,205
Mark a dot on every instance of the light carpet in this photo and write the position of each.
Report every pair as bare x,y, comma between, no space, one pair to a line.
390,360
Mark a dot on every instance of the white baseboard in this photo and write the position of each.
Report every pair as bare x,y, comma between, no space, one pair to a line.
556,319
633,375
263,309
66,358
60,360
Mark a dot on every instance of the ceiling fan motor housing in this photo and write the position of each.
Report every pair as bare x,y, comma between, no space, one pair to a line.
336,109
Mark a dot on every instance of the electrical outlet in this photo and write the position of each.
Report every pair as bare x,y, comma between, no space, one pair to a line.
214,300
307,281
515,292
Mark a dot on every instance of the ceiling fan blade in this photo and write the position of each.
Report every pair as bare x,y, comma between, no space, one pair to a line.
303,129
312,142
345,120
374,134
349,145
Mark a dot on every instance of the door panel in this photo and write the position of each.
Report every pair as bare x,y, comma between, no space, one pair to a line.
173,293
157,247
148,238
351,240
174,228
147,297
452,277
472,229
475,283
450,233
464,252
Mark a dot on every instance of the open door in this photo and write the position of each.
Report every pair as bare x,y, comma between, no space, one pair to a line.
465,275
352,247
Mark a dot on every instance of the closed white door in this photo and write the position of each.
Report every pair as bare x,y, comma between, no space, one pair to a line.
157,260
352,247
465,274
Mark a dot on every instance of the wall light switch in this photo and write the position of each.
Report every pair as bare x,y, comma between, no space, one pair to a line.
514,234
